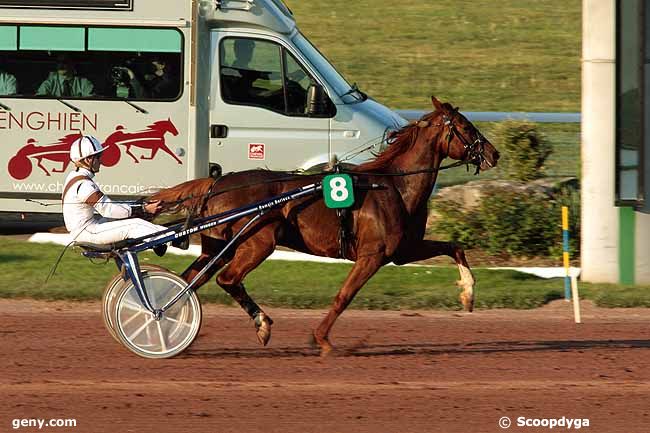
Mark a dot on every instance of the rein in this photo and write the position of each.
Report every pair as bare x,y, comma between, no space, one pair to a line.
473,155
207,195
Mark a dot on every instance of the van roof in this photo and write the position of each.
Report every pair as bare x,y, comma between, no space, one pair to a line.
270,14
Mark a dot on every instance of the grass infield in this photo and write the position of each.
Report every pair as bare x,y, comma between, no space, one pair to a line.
482,55
24,267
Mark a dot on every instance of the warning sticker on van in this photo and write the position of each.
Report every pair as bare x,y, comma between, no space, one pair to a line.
256,151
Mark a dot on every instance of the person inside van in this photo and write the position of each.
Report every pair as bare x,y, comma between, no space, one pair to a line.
156,83
64,82
240,85
7,82
243,53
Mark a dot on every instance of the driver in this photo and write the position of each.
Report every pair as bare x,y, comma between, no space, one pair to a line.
82,198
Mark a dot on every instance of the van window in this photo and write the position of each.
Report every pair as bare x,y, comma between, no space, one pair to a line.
137,40
109,63
263,74
8,37
52,38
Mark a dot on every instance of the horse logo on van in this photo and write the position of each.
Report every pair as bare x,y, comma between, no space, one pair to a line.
151,139
20,165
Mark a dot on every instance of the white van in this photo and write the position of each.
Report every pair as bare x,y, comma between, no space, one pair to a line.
177,89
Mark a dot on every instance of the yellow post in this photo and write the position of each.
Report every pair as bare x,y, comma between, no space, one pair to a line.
565,254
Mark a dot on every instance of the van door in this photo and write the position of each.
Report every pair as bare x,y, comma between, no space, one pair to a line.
258,107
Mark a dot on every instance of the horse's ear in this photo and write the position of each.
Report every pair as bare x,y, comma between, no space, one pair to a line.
436,104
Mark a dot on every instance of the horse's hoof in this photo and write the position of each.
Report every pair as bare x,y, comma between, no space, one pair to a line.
321,343
326,350
467,301
263,328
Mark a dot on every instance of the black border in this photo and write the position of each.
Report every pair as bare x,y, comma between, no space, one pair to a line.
640,201
114,5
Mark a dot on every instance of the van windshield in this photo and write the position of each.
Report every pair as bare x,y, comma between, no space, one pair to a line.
329,73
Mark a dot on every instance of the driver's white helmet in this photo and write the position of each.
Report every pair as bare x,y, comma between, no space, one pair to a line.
85,146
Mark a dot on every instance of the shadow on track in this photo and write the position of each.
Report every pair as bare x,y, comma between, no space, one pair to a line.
369,350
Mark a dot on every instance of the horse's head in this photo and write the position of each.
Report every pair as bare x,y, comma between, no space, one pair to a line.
461,140
164,126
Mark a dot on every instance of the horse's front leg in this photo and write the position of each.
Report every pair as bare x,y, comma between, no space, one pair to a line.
247,257
427,249
363,269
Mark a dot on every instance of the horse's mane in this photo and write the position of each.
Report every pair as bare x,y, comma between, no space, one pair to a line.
402,141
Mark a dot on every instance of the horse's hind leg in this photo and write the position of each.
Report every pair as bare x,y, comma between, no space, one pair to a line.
247,257
427,249
209,248
363,269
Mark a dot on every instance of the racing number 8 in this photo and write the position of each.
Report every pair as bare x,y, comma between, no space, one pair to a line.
338,191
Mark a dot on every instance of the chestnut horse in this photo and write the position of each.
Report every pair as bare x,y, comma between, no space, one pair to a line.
386,225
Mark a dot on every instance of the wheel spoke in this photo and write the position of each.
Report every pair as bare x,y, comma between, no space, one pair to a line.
141,328
130,319
177,321
162,337
132,305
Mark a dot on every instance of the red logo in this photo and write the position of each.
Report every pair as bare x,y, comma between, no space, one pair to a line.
151,139
255,151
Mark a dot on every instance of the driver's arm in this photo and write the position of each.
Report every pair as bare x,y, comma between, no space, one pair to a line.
102,203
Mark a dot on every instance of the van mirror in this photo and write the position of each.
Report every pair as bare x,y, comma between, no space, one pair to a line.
317,101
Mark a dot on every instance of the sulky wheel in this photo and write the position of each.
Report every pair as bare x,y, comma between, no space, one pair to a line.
137,328
108,298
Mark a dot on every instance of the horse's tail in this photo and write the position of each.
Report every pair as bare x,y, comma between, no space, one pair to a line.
184,195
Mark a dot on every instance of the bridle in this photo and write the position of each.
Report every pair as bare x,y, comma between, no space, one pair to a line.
474,151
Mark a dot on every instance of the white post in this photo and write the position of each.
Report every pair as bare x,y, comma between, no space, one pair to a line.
576,299
599,249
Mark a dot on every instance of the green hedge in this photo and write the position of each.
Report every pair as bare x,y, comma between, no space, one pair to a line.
524,148
514,221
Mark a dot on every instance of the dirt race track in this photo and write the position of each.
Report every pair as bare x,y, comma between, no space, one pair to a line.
394,372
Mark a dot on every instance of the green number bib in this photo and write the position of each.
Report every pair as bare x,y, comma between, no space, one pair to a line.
338,191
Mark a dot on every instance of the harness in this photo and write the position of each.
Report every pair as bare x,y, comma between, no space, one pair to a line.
345,233
474,154
72,182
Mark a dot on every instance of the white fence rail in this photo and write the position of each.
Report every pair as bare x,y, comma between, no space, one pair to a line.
498,116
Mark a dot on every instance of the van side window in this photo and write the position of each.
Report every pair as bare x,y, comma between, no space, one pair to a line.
74,62
262,74
297,82
251,73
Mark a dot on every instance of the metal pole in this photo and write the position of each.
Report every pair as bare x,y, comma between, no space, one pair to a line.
565,254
